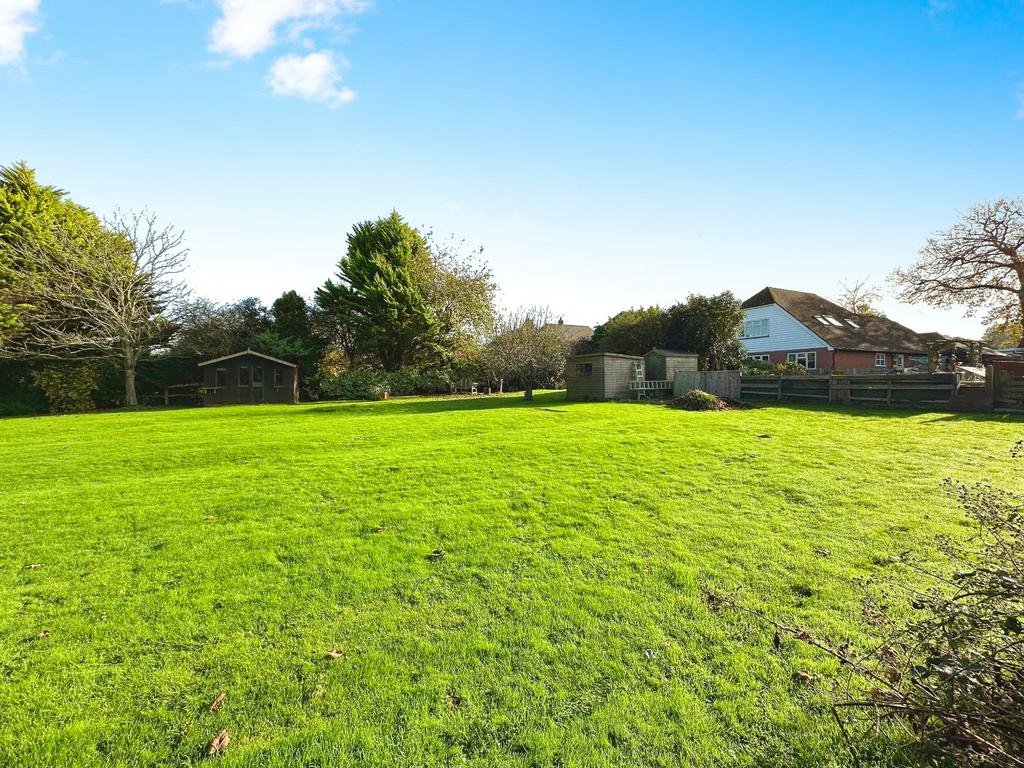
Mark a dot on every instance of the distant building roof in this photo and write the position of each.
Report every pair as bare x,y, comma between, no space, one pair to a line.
862,333
570,334
248,352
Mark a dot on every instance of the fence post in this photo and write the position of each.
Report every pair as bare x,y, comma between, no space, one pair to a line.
780,390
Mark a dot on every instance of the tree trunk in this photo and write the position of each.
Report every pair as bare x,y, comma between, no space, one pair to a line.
131,400
528,392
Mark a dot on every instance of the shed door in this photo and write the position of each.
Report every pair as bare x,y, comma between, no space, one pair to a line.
244,384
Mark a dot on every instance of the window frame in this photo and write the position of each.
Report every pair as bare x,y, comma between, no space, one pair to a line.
248,376
278,377
808,357
763,357
584,369
257,380
880,356
220,377
898,360
761,322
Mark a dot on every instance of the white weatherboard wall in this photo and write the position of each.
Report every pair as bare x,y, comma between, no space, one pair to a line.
784,332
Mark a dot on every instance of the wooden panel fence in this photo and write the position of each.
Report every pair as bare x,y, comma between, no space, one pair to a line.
935,389
722,383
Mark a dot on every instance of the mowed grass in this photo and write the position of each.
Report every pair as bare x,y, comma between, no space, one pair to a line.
184,553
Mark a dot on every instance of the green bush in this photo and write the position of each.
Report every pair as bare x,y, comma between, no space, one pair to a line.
699,400
768,368
68,388
375,384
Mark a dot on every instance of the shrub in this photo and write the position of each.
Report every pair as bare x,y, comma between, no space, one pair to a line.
699,400
375,384
69,388
768,368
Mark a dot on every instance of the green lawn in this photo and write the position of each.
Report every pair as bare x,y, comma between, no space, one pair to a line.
187,552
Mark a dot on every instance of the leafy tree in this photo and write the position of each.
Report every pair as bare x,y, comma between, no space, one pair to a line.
1003,335
708,326
110,296
860,298
978,262
523,351
32,218
459,288
291,316
630,332
376,294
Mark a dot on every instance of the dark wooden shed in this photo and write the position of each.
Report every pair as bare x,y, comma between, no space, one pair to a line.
249,378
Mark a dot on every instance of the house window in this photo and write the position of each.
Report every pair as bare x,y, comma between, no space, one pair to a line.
257,376
220,377
244,377
278,377
879,359
584,369
766,358
897,361
806,359
753,329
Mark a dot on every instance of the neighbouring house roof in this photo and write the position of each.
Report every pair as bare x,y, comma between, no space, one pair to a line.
671,353
570,334
248,352
861,333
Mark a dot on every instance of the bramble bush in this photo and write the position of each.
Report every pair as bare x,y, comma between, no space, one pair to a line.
68,388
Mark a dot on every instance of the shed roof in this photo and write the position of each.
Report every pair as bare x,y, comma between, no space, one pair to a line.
670,353
248,352
862,333
605,354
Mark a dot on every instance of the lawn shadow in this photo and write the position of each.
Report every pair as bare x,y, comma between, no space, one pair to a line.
424,405
895,412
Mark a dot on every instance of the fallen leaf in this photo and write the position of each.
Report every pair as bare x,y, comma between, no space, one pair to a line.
33,566
648,653
437,554
378,529
44,633
335,654
821,551
218,702
764,437
803,677
219,743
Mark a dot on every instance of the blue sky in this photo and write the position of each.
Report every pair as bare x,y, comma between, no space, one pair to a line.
606,155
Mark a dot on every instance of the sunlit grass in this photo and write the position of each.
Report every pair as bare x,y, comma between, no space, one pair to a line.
185,553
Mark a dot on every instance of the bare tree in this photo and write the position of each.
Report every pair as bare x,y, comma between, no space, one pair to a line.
860,297
113,298
978,262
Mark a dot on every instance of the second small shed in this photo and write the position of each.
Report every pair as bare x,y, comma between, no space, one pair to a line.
662,364
601,375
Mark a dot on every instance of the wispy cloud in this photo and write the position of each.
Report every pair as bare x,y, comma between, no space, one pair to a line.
248,27
314,77
18,19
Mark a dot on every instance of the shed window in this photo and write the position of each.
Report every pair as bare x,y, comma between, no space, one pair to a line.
244,376
806,359
220,377
584,369
257,376
278,377
753,329
879,359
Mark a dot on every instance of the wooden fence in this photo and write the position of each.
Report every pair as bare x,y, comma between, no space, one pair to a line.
938,389
1006,385
722,383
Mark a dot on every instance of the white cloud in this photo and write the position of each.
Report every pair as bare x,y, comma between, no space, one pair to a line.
248,27
313,77
17,20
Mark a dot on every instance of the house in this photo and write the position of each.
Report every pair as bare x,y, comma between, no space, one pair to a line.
601,375
570,334
797,327
249,378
